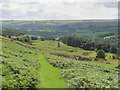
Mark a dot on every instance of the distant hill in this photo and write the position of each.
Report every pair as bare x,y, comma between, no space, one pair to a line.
59,27
94,29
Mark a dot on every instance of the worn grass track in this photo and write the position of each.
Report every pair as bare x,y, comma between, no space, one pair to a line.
49,76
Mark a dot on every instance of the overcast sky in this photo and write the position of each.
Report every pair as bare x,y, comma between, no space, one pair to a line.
58,9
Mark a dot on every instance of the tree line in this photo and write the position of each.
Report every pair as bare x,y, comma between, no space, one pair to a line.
88,44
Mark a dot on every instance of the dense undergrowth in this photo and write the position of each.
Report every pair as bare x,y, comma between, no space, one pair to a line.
19,66
82,75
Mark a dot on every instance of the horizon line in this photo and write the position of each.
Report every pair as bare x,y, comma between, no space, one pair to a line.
66,19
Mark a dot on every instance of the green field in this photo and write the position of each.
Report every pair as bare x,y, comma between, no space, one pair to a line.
42,64
109,37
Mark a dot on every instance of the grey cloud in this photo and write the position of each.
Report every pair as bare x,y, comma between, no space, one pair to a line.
108,4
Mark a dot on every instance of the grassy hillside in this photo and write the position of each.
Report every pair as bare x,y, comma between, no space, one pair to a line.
25,67
83,75
73,53
18,65
42,64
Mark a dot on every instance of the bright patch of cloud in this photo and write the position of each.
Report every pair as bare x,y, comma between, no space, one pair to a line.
58,10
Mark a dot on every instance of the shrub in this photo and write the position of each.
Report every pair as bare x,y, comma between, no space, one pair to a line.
100,54
34,38
114,57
